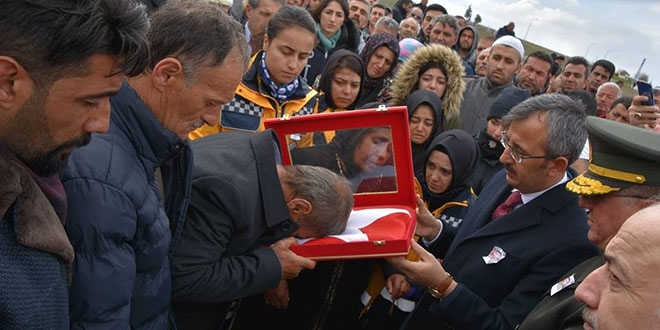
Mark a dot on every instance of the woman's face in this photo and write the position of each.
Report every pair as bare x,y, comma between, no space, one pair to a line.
374,149
380,62
438,172
345,87
421,124
433,80
332,17
614,112
287,53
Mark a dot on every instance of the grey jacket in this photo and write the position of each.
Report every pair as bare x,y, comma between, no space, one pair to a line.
478,97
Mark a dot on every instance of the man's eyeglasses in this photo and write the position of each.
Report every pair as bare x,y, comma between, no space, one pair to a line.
416,16
515,155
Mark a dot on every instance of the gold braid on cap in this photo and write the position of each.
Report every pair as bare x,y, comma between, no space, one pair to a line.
582,185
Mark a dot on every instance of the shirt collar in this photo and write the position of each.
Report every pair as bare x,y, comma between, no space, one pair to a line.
526,198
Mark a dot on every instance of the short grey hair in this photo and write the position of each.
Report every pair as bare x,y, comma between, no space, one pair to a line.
388,23
417,27
564,119
447,20
331,196
619,92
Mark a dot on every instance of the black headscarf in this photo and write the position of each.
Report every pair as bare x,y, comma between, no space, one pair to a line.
375,41
325,83
416,99
463,155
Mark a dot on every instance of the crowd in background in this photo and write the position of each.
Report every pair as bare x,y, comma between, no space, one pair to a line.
141,189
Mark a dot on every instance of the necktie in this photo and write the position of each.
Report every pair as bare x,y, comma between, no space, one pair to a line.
509,204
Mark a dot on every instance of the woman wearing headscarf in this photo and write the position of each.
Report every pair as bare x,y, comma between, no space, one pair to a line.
424,118
334,31
340,86
446,195
363,156
271,87
434,68
379,56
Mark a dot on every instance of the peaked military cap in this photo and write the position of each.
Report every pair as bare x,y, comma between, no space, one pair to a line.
621,155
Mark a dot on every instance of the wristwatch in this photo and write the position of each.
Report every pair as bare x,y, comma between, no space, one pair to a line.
436,291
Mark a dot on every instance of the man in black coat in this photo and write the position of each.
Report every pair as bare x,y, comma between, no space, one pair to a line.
502,262
610,190
243,209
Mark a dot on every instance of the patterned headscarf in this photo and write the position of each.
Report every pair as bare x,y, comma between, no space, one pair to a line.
375,41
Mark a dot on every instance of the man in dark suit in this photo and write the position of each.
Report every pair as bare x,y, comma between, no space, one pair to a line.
613,190
243,208
501,262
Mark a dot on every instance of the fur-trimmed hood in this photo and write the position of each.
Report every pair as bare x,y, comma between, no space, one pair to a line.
406,79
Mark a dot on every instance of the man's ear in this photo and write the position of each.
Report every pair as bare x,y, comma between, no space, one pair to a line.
558,166
15,83
299,207
265,43
166,73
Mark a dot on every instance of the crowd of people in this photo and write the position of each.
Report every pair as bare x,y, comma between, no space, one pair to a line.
141,189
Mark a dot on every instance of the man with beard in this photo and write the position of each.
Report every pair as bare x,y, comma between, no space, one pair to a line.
59,63
467,44
128,190
503,64
535,72
622,294
524,230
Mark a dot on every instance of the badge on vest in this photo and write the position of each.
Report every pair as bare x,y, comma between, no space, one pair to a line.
495,255
561,285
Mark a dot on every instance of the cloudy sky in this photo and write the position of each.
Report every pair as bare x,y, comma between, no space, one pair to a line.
624,32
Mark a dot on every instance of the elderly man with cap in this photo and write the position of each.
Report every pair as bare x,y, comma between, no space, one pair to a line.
504,63
623,293
622,178
488,139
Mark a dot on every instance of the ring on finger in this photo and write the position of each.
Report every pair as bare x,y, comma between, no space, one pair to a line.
638,115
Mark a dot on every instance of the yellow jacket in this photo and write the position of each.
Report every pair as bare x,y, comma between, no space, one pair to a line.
253,104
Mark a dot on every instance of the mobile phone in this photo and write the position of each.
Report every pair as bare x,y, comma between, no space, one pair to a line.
646,89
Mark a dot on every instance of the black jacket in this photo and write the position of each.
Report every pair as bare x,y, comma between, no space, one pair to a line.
349,40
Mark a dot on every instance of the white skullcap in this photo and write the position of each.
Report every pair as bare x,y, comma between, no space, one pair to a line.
227,3
512,42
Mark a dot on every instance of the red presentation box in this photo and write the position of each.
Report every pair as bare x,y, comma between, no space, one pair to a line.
371,147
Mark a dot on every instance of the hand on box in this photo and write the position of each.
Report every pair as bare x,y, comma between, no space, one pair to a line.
278,298
292,264
428,271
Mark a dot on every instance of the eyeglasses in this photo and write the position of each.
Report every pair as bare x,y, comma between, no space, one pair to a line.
416,16
515,155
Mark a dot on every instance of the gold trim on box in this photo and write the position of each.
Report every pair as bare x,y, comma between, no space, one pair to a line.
379,243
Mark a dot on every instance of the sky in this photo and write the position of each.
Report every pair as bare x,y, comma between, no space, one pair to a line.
623,32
